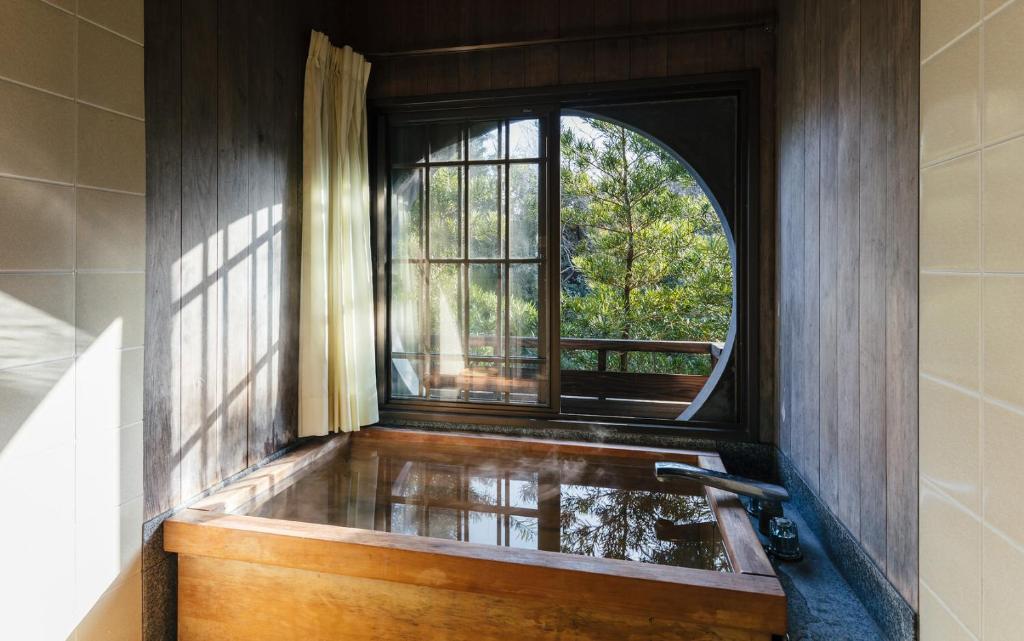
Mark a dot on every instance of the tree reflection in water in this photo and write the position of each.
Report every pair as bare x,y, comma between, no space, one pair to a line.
621,524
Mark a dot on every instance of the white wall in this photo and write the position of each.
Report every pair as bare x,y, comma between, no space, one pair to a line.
72,261
972,319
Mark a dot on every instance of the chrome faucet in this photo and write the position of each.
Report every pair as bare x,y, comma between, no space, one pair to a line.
769,497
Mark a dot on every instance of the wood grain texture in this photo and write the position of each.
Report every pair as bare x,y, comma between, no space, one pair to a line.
745,550
807,459
901,429
224,86
848,277
848,83
232,221
828,255
226,599
251,577
161,389
875,122
202,425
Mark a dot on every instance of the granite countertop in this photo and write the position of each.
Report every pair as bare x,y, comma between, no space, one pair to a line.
820,603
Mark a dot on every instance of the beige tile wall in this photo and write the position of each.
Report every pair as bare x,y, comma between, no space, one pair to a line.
972,320
72,261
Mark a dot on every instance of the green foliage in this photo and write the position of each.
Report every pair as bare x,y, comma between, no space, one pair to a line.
644,255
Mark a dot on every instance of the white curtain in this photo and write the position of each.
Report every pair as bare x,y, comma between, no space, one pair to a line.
337,374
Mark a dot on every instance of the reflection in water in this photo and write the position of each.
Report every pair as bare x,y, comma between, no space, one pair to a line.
610,509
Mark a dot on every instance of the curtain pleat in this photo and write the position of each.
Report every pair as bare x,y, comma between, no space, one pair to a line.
337,373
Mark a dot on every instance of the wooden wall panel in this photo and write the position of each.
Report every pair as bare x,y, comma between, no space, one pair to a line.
901,427
224,83
233,225
161,390
847,123
201,414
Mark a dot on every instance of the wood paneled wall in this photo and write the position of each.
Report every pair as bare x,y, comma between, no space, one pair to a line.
403,25
848,217
224,92
224,84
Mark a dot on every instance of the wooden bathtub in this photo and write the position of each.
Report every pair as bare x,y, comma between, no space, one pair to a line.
257,578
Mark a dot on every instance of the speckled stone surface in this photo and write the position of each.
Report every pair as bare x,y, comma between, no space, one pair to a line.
159,600
820,603
894,616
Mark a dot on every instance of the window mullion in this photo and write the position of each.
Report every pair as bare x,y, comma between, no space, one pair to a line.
464,269
506,271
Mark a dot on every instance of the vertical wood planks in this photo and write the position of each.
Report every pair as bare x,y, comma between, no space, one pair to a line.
648,55
848,278
611,57
264,208
791,215
576,59
161,402
234,222
289,64
809,383
848,329
873,226
901,429
201,417
828,259
224,86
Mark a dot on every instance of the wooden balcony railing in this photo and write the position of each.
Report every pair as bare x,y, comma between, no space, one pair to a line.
585,391
639,394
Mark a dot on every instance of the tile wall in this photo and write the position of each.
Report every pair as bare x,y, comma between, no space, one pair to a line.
72,261
972,319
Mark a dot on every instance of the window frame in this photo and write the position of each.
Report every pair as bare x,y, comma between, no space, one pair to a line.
548,103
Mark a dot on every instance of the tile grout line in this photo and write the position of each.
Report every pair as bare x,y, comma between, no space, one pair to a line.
110,30
980,436
73,99
58,183
973,149
974,25
948,610
74,313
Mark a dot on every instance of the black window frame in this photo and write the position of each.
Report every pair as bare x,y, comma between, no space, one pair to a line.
548,103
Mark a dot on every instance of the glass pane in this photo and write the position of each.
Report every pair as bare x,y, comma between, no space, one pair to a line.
405,519
524,139
408,480
445,143
484,527
485,141
485,305
483,490
408,145
444,483
485,382
485,196
522,532
406,213
524,216
523,493
445,212
526,383
443,523
446,331
668,278
405,377
524,310
406,328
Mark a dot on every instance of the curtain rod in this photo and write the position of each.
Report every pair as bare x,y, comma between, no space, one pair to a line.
765,24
